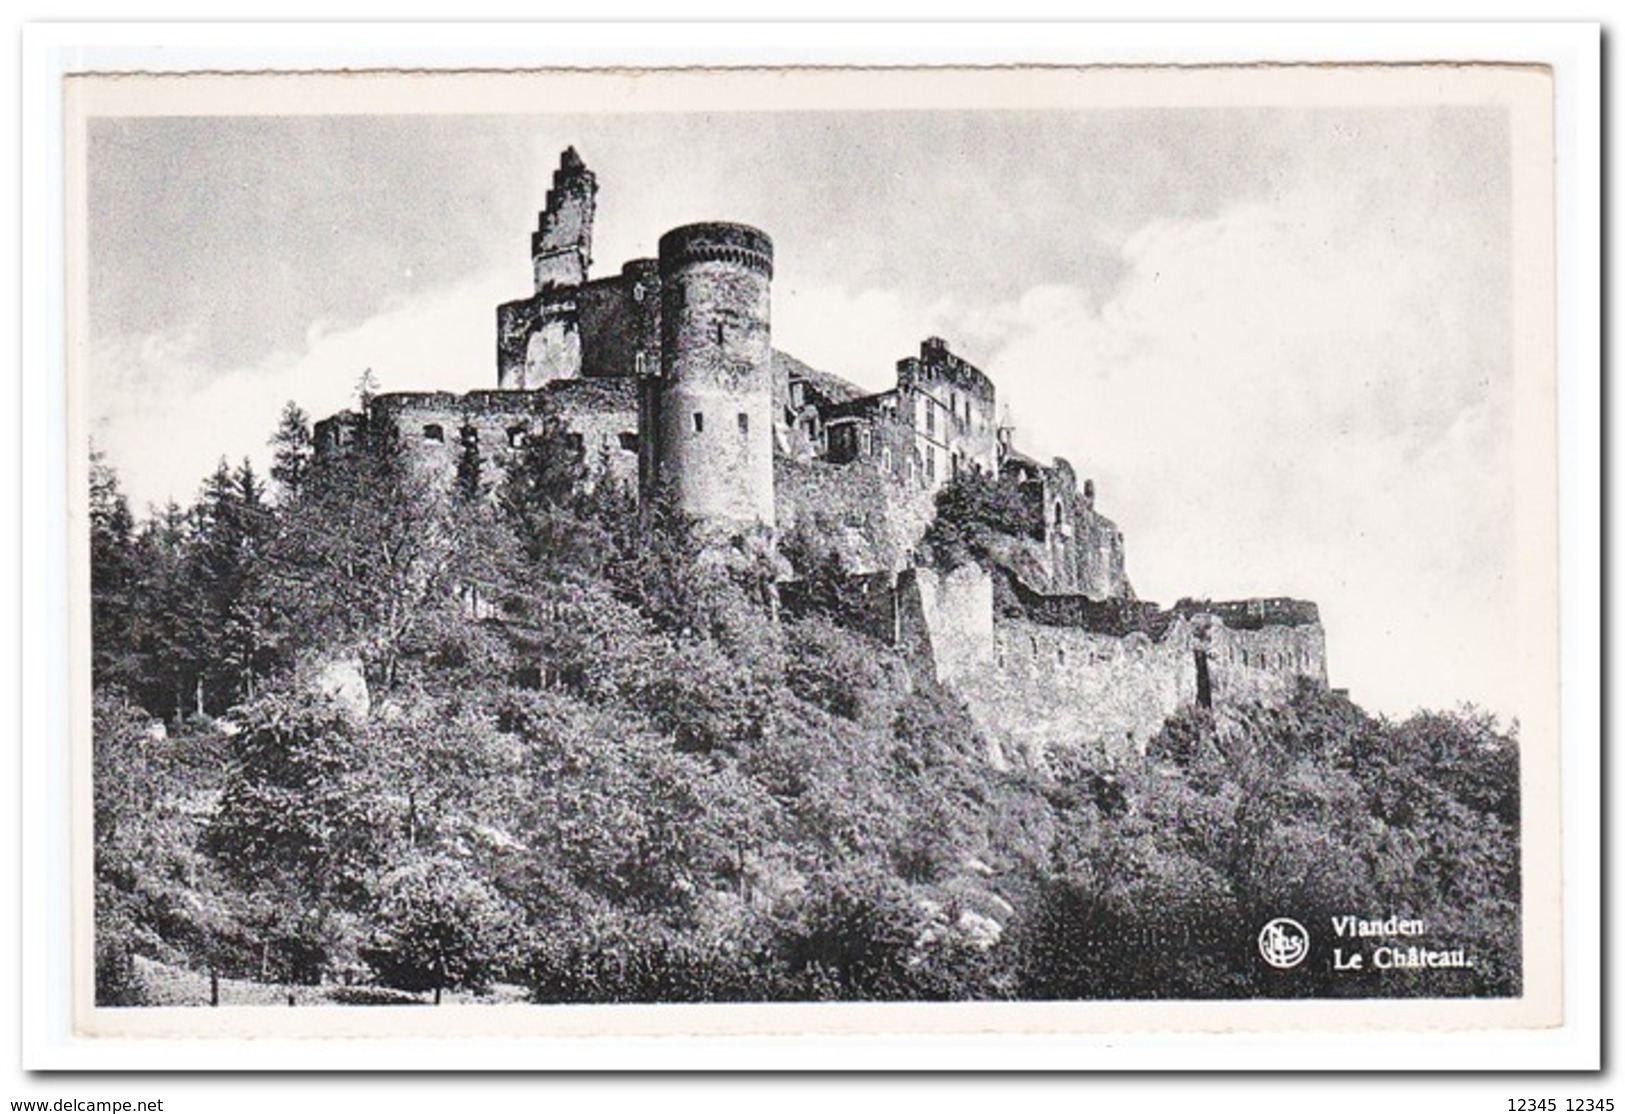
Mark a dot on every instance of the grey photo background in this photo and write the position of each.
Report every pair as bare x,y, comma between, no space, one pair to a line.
1279,340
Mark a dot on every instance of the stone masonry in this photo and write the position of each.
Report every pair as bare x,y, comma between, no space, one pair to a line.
664,375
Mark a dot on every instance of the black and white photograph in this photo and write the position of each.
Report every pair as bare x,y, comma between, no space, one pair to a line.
553,544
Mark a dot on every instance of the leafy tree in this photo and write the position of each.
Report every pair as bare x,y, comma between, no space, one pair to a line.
438,927
156,894
369,558
299,826
972,512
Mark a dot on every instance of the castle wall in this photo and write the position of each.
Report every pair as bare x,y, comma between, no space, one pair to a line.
539,339
1264,664
553,349
1064,687
602,329
871,519
604,414
431,425
620,322
945,621
1096,676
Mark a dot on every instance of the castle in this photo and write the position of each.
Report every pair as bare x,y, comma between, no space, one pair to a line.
664,375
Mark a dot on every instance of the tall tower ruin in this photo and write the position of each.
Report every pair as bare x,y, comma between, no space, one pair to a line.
561,247
708,418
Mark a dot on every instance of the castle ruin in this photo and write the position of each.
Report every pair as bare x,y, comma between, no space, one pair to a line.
664,376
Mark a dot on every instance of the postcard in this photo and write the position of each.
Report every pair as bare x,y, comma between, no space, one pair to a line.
950,550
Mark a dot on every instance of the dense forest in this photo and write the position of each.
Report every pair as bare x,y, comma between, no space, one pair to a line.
591,762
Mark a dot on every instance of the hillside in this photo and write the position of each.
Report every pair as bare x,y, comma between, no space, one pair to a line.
582,753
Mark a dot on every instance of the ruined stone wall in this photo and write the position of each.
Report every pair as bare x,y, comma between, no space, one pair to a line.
713,415
561,246
1064,687
603,413
620,322
1089,557
1069,548
871,519
432,426
1097,676
1264,664
945,621
1107,694
539,339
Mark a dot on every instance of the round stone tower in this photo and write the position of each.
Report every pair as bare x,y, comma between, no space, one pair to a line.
712,420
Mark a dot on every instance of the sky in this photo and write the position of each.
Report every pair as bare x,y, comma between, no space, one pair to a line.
1279,340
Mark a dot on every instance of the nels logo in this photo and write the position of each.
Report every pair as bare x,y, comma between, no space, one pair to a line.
1283,943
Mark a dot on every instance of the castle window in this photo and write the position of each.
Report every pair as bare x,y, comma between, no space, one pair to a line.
719,332
699,422
1060,655
516,436
629,442
434,433
1033,638
930,418
637,292
576,444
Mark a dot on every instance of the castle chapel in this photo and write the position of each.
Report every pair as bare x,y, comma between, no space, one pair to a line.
664,375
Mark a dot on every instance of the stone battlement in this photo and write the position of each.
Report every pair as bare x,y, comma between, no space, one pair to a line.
663,374
717,241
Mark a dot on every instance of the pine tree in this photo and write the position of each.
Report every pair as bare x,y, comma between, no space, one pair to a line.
366,389
470,485
114,578
294,449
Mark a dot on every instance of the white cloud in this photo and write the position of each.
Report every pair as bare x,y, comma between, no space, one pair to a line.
164,421
857,334
1272,403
